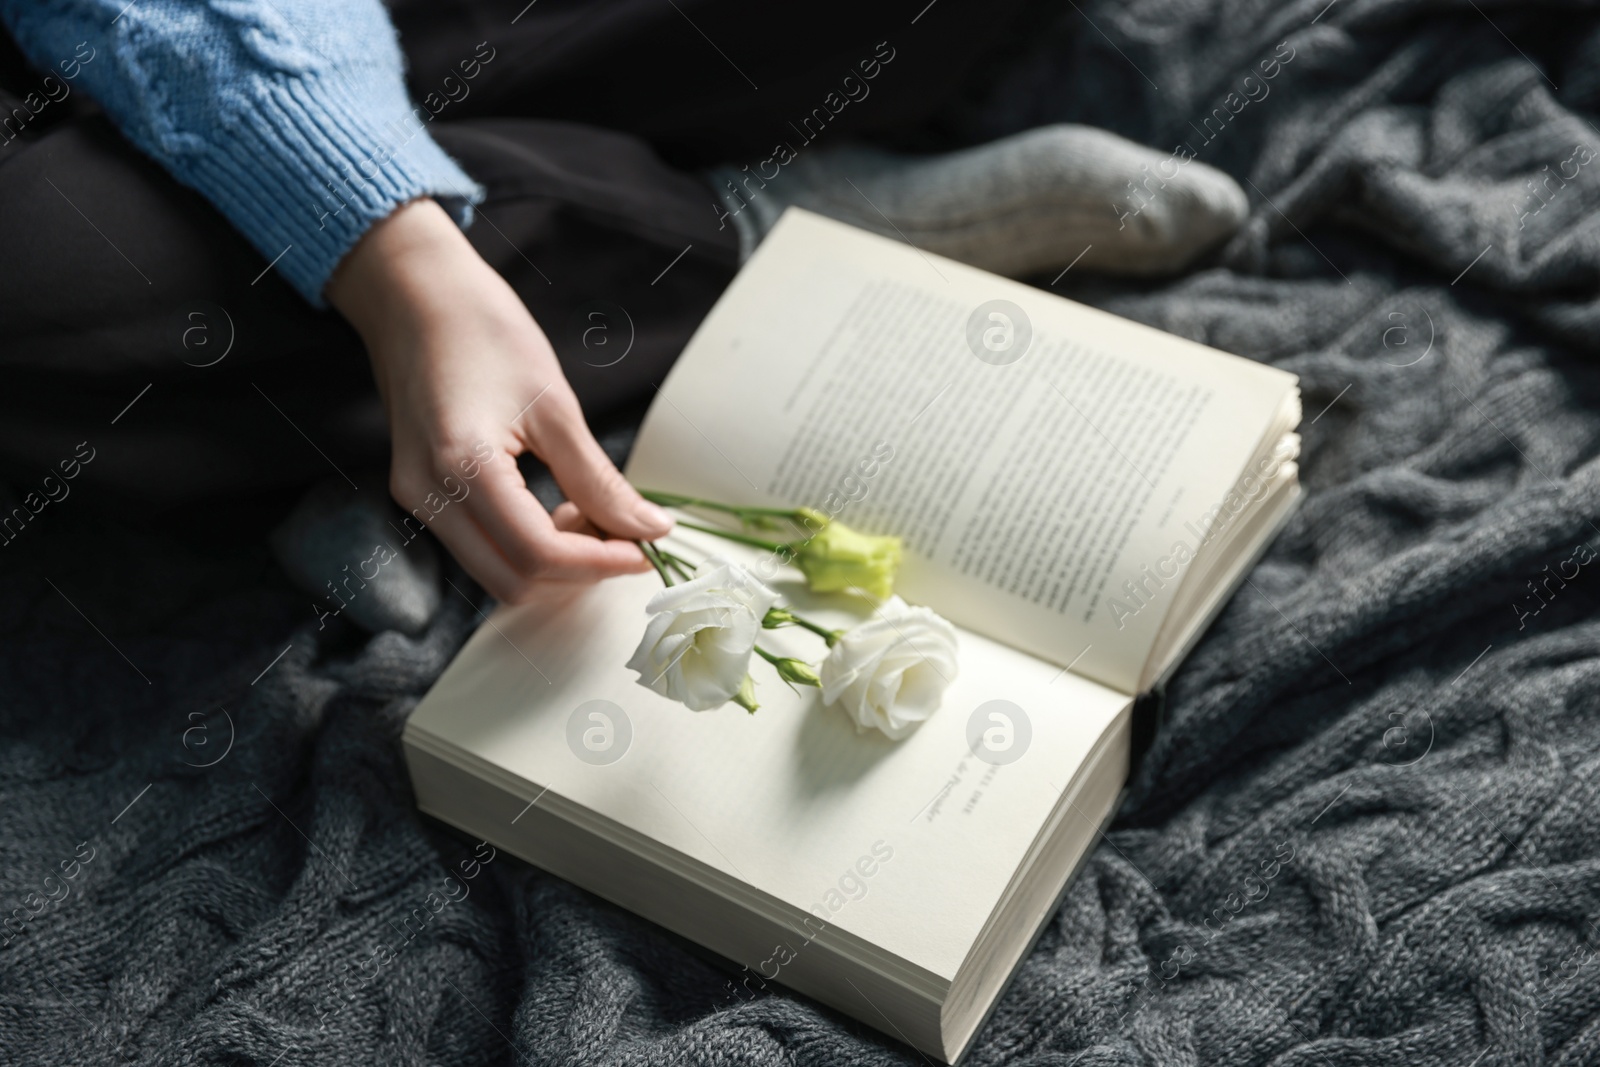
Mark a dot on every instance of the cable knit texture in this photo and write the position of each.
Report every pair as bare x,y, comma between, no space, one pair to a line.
1368,833
290,116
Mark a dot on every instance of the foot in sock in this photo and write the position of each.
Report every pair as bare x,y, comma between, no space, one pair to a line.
1017,206
351,553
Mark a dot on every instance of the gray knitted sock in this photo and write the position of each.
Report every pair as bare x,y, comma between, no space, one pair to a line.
353,553
1021,205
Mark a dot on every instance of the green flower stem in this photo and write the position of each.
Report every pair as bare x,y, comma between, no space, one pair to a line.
653,554
678,500
682,566
663,560
771,657
743,539
777,617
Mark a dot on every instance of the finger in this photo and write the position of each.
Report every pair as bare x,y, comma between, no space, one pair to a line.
472,548
566,516
519,527
589,478
568,519
411,483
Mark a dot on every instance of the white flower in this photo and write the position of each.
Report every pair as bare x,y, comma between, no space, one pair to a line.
696,649
891,671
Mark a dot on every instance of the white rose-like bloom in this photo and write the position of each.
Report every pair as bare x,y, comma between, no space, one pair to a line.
696,648
891,671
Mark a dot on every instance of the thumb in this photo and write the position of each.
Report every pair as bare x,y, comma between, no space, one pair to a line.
592,482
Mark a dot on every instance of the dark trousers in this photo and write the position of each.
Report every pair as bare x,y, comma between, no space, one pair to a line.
135,321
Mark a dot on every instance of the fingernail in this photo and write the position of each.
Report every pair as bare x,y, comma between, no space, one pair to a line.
652,516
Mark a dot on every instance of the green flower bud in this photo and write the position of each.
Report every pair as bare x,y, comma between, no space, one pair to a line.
746,696
796,671
812,519
839,558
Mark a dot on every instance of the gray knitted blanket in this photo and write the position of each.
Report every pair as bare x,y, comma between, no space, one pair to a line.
1367,832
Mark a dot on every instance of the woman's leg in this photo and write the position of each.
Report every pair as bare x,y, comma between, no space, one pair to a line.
704,81
779,97
138,322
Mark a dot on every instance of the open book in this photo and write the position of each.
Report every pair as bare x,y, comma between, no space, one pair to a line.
1079,494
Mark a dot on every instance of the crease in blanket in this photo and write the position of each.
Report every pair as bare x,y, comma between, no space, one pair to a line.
1367,704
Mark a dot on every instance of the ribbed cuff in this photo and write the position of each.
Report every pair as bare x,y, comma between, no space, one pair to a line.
311,163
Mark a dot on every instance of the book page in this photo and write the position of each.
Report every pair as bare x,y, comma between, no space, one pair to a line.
908,845
1041,459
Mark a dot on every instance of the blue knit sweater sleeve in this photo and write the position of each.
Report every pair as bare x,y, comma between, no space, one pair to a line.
291,116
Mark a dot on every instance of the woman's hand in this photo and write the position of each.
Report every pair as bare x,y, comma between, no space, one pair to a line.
462,365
